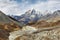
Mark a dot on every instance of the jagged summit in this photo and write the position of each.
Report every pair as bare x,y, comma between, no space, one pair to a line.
33,11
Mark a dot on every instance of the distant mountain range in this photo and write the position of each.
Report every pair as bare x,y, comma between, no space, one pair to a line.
29,16
52,17
32,16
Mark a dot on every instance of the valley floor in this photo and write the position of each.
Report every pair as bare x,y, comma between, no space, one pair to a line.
31,33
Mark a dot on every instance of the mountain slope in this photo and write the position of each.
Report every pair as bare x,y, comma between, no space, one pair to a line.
7,19
7,25
4,18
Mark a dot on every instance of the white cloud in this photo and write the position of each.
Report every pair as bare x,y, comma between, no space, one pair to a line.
43,6
9,7
49,5
12,7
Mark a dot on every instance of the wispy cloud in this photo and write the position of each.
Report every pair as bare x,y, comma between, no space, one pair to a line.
9,7
18,7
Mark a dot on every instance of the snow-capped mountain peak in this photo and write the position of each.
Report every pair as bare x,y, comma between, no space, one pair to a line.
31,15
30,12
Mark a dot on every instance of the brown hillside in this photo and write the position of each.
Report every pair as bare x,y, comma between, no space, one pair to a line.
44,24
5,29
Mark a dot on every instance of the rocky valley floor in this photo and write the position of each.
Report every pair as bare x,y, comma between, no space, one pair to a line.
52,33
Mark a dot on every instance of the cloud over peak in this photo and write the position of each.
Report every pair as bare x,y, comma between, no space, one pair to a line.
18,7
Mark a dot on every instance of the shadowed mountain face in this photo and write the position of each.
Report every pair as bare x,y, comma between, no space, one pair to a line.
7,25
4,18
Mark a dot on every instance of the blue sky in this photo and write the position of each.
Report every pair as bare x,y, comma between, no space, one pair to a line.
30,1
18,7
